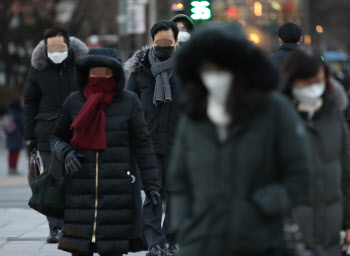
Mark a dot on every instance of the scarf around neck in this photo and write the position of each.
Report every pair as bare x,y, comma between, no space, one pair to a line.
90,124
159,69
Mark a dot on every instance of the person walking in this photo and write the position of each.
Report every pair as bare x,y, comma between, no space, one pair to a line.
152,79
50,80
13,126
289,36
186,27
326,210
241,158
101,127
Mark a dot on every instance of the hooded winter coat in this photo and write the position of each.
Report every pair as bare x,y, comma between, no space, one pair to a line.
186,21
103,200
46,88
231,197
162,119
326,210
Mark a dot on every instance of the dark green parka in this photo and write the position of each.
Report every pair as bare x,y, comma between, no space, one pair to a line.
233,196
327,208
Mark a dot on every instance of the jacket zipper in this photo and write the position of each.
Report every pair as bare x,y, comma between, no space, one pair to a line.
96,201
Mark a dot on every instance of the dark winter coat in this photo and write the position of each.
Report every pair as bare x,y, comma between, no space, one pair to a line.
47,86
280,56
327,209
15,139
162,119
104,193
231,198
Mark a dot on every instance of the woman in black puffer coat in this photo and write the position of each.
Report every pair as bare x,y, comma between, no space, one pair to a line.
326,210
103,203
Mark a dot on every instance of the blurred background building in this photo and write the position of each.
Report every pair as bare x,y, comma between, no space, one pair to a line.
125,25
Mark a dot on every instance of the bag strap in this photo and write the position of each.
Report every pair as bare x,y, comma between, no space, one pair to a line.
51,159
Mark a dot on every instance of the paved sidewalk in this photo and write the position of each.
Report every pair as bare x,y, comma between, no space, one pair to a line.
23,233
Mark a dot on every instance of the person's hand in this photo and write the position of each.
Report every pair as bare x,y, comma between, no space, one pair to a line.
72,163
347,236
154,197
31,145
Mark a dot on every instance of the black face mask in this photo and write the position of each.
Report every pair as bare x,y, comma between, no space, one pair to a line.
164,52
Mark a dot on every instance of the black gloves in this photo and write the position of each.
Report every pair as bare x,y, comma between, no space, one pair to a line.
31,145
71,162
154,197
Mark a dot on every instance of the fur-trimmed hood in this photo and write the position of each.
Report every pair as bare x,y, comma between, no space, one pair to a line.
101,57
39,57
135,62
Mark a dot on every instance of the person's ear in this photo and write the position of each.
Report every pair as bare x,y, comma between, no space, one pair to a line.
153,43
281,41
300,40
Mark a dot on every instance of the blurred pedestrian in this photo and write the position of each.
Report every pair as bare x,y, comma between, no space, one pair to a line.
326,209
185,26
241,159
14,130
290,36
51,79
99,127
152,79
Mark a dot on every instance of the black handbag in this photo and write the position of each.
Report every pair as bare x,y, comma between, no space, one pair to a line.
48,193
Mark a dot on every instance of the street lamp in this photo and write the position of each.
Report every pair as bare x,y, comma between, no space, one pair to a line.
258,9
319,29
254,38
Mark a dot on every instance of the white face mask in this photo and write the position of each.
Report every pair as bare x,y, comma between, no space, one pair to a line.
218,84
184,36
309,94
57,57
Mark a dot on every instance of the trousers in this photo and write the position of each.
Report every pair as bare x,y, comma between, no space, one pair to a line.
155,233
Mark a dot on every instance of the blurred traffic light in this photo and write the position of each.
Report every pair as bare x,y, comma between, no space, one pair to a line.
200,10
178,6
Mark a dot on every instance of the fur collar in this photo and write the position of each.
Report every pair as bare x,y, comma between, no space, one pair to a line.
135,62
39,57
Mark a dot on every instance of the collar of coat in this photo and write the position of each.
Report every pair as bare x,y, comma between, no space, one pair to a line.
39,57
137,60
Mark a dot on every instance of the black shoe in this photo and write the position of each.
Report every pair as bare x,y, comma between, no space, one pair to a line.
172,250
156,251
55,236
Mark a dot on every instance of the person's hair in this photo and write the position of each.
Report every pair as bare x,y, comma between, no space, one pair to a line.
303,63
254,75
56,31
164,25
290,33
189,26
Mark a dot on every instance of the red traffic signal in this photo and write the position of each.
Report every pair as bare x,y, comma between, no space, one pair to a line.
178,7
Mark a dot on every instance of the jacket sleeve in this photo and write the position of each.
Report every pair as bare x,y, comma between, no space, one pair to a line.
142,148
346,176
133,84
180,195
61,135
294,160
31,105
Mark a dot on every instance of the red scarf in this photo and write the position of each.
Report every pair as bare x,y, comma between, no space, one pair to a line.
90,124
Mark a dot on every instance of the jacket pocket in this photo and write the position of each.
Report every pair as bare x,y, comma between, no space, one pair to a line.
47,116
44,125
272,200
